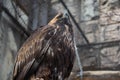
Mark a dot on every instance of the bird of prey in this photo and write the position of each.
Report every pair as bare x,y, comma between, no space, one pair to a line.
48,54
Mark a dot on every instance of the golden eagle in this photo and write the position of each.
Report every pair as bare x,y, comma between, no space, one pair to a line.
48,54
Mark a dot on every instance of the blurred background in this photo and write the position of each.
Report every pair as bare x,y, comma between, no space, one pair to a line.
96,29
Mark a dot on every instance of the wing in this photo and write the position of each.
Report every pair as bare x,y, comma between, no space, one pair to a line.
60,54
33,48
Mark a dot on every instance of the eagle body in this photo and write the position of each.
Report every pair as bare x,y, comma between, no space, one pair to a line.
48,54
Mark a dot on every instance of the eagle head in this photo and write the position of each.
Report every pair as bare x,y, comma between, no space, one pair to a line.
60,18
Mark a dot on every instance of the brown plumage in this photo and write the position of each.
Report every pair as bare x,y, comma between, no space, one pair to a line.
48,54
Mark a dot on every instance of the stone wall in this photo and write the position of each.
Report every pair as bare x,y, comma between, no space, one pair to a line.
102,25
10,42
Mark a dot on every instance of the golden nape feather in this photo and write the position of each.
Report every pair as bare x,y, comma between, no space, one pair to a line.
48,54
55,19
